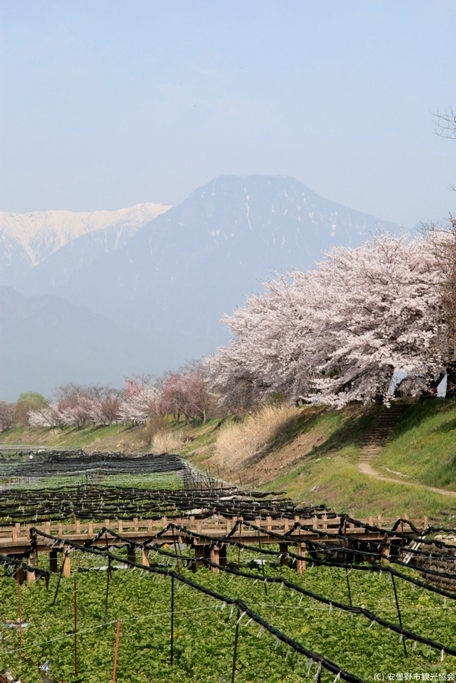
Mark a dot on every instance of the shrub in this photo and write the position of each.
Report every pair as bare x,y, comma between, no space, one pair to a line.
165,441
239,442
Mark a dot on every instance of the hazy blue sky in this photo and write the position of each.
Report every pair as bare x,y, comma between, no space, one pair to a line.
107,103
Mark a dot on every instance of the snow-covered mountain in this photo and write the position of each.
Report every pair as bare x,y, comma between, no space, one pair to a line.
171,281
27,239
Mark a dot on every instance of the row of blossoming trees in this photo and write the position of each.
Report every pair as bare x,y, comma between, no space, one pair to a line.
182,394
343,331
339,333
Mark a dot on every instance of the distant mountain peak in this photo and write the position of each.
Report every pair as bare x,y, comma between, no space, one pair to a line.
168,282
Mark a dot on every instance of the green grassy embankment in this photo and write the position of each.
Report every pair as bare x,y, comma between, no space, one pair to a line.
113,438
311,453
315,455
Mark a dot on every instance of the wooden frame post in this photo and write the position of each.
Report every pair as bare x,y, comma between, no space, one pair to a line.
53,560
199,556
145,556
131,553
215,557
66,567
283,547
222,555
300,564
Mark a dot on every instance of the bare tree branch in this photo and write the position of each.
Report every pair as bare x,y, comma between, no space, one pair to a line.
446,124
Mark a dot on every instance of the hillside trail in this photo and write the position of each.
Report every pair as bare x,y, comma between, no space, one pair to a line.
366,468
374,439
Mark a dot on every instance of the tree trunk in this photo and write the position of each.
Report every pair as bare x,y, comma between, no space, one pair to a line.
451,379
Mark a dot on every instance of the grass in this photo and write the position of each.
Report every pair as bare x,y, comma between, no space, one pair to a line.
204,629
166,441
420,445
423,445
338,483
114,438
310,452
237,443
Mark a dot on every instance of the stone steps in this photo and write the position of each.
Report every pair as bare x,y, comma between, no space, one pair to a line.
379,430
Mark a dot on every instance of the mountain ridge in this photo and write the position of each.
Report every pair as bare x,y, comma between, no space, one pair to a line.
31,237
175,277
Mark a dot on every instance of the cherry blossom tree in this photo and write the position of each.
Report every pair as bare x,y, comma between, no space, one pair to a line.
140,404
49,416
187,393
340,332
78,406
7,415
443,243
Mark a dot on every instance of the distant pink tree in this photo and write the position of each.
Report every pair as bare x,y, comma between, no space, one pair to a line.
108,412
140,404
133,386
186,393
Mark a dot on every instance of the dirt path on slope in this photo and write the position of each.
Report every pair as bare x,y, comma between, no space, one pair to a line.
366,468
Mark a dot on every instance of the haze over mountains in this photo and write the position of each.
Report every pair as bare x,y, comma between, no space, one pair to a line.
27,239
157,285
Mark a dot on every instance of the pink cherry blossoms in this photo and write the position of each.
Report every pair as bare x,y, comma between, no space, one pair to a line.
181,394
339,333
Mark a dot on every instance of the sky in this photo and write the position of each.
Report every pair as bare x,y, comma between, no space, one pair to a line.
111,103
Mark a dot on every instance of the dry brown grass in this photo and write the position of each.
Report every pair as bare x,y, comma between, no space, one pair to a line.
238,443
165,441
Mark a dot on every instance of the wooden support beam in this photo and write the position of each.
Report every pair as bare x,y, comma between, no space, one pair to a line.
53,562
199,555
66,565
131,553
31,576
386,549
19,574
215,557
222,555
300,564
145,556
283,547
